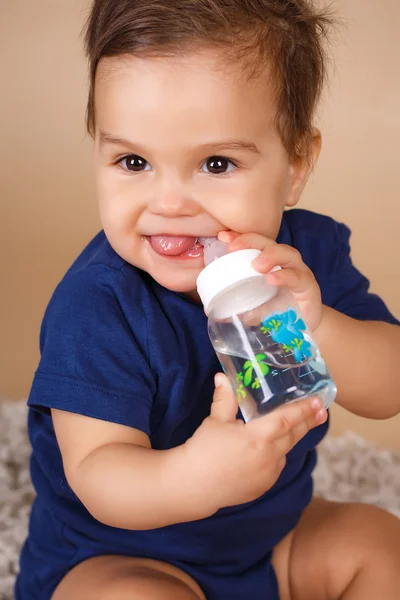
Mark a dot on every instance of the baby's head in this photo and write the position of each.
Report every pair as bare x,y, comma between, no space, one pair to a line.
202,115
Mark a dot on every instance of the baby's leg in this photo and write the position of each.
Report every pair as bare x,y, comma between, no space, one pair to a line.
340,551
124,578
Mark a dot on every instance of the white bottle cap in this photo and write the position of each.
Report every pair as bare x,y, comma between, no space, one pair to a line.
226,272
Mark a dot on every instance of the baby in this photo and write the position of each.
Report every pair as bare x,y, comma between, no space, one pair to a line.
149,484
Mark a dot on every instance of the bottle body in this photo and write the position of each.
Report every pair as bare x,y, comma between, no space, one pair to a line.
265,348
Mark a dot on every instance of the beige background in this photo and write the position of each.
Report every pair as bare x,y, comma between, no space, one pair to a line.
48,210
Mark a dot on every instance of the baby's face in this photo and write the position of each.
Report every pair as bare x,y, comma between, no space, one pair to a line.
185,149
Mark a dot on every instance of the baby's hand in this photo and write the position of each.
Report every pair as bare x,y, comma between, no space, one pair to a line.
295,275
233,462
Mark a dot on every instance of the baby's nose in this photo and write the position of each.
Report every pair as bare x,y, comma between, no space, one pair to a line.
173,201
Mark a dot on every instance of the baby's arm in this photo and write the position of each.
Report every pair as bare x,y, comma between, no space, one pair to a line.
364,359
120,479
124,483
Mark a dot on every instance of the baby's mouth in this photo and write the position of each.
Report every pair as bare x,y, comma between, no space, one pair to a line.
171,245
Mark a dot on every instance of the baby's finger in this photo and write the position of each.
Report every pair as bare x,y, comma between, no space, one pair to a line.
228,236
246,241
280,422
296,280
287,442
279,254
224,406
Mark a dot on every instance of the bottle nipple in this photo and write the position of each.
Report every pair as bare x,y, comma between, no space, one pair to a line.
213,248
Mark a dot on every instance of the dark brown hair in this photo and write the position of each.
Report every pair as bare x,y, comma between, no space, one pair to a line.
285,36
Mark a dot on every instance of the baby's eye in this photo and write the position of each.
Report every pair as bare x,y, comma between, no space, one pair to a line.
134,162
218,165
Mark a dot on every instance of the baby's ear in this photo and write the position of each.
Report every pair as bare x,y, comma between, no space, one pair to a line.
301,167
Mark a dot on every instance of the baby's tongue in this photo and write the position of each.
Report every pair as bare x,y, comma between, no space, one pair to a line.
171,245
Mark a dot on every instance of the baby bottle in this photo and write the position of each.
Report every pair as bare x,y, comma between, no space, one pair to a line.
259,334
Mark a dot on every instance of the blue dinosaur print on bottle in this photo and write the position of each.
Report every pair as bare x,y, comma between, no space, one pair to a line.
287,329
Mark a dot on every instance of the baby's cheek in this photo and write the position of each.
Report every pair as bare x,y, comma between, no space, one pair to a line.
251,216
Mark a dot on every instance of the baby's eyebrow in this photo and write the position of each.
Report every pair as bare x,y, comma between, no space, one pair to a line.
107,138
233,145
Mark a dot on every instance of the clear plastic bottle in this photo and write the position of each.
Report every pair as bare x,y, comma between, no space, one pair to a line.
259,335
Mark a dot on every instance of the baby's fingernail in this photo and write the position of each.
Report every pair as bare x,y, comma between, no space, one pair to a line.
321,416
218,379
317,404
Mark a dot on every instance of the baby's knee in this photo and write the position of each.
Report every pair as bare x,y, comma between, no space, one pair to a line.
375,537
126,578
148,584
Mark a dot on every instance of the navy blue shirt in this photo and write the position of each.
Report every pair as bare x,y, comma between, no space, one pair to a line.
117,346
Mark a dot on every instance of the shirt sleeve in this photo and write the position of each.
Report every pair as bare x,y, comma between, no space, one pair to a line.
93,360
350,293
